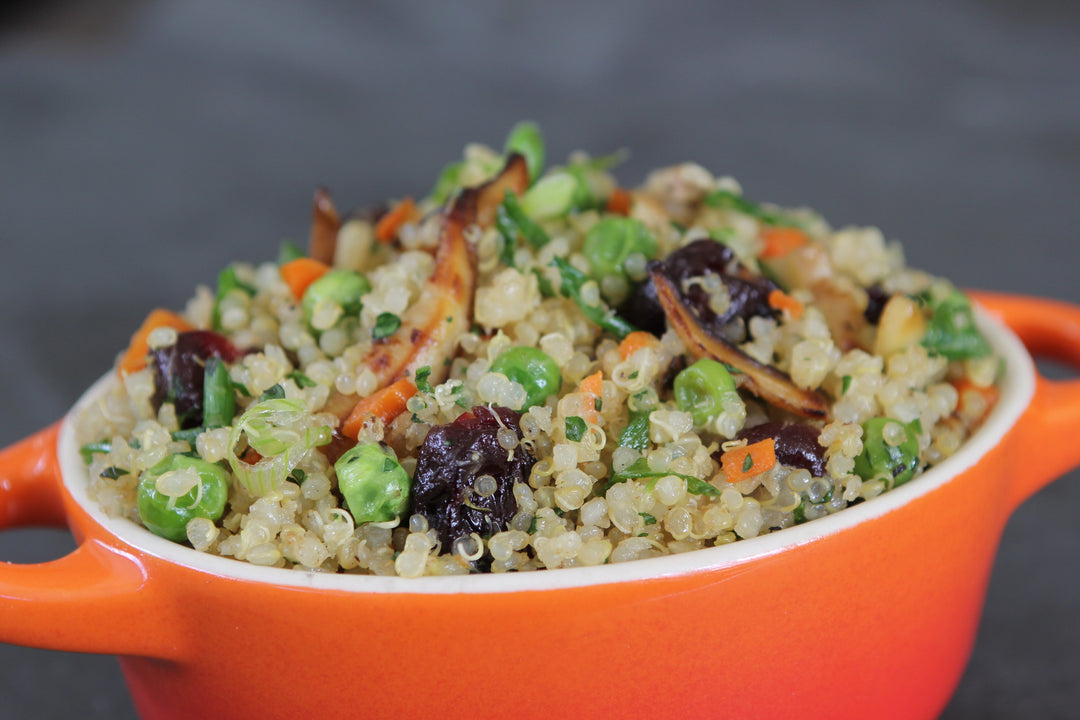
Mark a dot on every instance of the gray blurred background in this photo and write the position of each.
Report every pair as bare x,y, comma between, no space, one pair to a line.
142,147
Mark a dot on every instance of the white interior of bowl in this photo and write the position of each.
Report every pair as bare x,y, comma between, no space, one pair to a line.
1017,390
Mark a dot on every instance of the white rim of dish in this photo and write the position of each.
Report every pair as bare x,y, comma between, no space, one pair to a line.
1017,390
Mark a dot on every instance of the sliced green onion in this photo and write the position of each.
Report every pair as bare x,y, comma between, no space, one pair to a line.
552,196
894,463
525,138
227,282
511,222
281,431
449,181
572,282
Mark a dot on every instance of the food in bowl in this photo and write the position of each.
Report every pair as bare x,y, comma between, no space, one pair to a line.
534,369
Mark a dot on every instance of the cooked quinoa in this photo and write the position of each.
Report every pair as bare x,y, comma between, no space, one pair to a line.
533,369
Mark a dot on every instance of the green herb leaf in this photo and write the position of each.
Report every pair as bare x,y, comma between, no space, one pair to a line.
301,379
748,463
572,281
845,383
275,392
513,222
728,199
649,519
640,470
113,472
289,251
421,379
636,433
298,476
385,325
88,450
575,428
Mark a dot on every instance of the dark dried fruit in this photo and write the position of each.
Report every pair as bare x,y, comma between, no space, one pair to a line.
747,291
179,368
448,465
875,303
796,444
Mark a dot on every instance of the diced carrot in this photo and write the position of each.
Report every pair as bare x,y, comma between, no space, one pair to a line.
386,404
779,241
968,393
620,201
298,274
389,224
634,342
749,460
592,385
780,300
134,358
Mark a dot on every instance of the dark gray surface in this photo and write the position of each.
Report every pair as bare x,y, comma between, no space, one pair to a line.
133,165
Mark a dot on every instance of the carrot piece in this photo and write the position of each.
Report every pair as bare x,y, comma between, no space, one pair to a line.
620,201
749,460
634,342
972,397
134,358
389,224
779,241
298,274
780,300
592,385
386,404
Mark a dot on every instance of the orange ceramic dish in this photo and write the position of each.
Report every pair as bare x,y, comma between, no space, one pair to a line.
894,587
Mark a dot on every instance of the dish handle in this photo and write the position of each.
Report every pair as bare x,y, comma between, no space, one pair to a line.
91,600
1048,431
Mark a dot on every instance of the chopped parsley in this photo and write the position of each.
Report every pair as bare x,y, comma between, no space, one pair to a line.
575,428
385,325
421,379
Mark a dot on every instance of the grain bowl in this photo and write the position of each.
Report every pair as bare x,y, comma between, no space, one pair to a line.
411,605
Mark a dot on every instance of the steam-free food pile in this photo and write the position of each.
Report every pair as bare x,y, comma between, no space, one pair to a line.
537,367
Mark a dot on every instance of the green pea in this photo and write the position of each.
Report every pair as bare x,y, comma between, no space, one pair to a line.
344,288
879,459
611,241
952,331
525,138
702,388
168,516
375,486
534,369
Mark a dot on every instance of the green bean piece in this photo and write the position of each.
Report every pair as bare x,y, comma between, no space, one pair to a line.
611,241
219,399
525,138
168,515
702,388
599,313
375,486
896,463
552,196
534,369
345,288
952,332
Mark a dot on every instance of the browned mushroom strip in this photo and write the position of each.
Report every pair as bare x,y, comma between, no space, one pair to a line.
762,380
431,327
325,223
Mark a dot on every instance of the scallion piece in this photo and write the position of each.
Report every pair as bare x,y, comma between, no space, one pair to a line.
572,282
552,196
525,138
219,400
733,201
